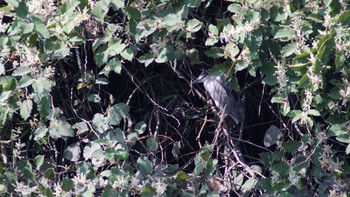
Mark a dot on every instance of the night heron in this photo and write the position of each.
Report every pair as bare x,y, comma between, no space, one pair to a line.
220,91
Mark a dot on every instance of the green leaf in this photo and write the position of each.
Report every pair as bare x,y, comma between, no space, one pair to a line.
213,30
199,168
152,143
114,65
249,184
292,146
295,114
115,46
277,99
60,128
11,84
99,10
109,191
39,133
119,135
172,21
128,54
231,50
289,49
171,170
4,96
109,154
133,137
278,14
45,106
147,191
238,181
193,25
140,127
26,169
146,59
83,4
101,55
304,81
132,12
13,3
193,3
94,98
20,71
214,52
265,184
68,8
272,135
22,10
338,130
211,41
144,165
339,59
69,26
90,150
67,184
117,112
2,67
49,174
313,112
42,86
181,178
336,119
29,28
38,161
100,123
235,8
26,109
268,70
122,154
280,169
118,3
25,82
210,168
41,29
102,81
347,151
342,17
325,46
285,34
6,10
309,122
60,50
166,54
72,152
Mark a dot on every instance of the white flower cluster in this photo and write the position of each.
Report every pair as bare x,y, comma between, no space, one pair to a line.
281,75
43,8
300,35
159,186
327,162
29,55
3,26
230,33
345,93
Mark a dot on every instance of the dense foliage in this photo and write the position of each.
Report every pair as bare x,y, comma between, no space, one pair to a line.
96,97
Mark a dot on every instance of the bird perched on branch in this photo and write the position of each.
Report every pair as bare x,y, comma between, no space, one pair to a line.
223,96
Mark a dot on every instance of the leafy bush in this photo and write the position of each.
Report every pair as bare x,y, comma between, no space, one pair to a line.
96,98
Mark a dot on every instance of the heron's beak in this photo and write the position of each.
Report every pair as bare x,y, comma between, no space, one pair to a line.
198,80
195,81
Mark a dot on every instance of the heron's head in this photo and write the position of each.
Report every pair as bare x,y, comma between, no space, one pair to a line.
202,77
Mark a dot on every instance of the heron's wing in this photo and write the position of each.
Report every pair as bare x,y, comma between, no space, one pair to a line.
217,92
224,98
235,109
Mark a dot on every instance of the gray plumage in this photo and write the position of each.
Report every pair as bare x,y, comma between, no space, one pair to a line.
224,98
